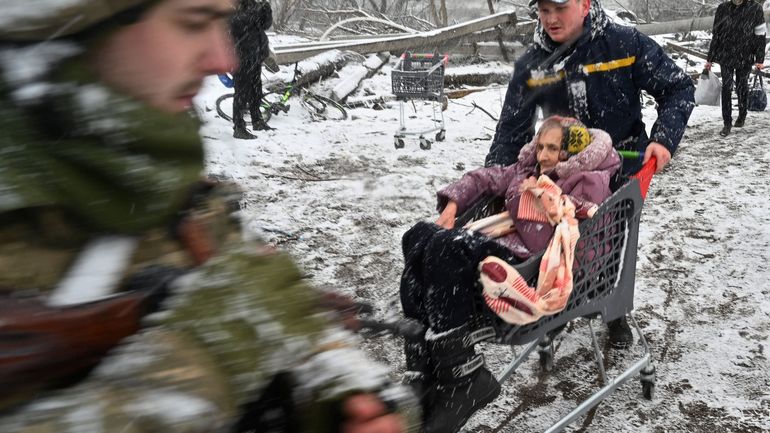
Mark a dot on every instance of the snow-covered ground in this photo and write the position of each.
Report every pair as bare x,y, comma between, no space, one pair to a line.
338,196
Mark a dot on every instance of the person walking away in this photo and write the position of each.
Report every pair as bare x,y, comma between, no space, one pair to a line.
737,43
248,26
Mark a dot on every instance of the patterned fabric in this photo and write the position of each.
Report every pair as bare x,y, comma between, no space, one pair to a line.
505,290
576,138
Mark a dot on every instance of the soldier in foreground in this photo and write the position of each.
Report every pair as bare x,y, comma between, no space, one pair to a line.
111,246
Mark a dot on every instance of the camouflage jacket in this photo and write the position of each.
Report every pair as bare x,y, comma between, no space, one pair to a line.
81,165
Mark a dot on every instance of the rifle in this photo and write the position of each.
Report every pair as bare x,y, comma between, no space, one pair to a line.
44,346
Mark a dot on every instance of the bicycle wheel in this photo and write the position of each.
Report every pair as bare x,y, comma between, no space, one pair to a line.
321,107
222,113
223,108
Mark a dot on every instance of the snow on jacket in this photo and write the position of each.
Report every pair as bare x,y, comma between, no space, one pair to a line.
248,26
739,35
585,177
82,163
599,81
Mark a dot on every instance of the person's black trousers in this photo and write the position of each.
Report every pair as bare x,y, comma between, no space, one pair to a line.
739,76
247,82
440,283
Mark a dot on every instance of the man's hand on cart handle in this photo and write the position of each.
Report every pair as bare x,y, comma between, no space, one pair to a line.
661,154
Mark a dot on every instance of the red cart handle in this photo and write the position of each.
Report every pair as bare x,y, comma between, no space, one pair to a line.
644,176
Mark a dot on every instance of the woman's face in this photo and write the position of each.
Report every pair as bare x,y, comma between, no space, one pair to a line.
548,149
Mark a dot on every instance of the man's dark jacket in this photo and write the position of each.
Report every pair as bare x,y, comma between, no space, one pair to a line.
597,80
248,25
739,35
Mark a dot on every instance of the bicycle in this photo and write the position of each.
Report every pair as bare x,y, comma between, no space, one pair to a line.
317,105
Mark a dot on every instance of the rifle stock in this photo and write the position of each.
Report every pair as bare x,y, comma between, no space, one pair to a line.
43,346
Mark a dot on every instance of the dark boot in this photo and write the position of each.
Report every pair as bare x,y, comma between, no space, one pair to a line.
740,121
243,134
418,375
620,333
463,385
725,131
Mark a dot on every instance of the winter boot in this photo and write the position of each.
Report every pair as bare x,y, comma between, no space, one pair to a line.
620,333
463,385
740,121
243,134
418,373
725,131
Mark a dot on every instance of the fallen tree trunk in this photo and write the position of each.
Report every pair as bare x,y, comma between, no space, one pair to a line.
703,23
701,55
461,93
687,50
424,40
369,101
309,70
361,72
476,79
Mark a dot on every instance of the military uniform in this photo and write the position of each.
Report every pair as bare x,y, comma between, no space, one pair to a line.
84,173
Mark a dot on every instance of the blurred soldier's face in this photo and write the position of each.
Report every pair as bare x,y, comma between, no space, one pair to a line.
163,59
563,22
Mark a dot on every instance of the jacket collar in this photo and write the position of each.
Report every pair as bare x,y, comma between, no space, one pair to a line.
74,144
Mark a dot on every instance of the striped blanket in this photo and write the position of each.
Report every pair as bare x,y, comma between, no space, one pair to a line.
505,290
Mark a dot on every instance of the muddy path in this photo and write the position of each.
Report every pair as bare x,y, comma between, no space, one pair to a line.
702,292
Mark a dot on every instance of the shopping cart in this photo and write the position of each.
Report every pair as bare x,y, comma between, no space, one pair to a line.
604,279
604,276
421,77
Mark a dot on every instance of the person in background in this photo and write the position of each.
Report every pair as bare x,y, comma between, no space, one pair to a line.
248,25
737,43
129,300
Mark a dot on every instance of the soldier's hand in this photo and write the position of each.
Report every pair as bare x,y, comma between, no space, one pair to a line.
365,413
660,153
343,305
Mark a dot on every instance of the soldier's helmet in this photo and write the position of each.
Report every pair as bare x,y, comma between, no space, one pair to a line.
34,20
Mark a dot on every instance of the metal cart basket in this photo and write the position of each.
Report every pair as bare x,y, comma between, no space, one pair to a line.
604,279
420,76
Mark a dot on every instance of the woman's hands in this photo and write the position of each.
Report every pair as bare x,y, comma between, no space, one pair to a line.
448,215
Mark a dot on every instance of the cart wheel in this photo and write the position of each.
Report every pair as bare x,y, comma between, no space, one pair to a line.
424,143
441,135
398,142
647,377
546,360
648,389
